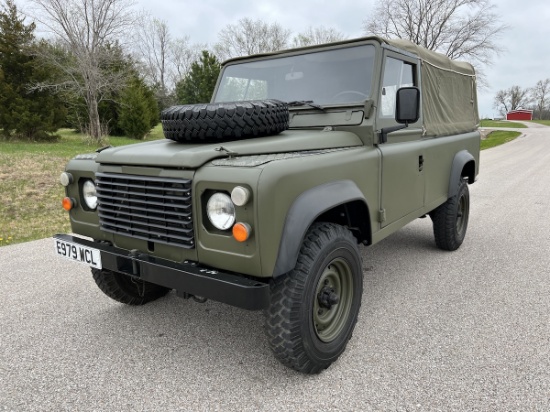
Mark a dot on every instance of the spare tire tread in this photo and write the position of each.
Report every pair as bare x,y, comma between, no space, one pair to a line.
215,122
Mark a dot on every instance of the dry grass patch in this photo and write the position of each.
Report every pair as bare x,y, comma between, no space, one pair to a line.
30,206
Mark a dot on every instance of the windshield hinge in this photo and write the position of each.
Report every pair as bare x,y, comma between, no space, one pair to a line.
103,148
228,152
349,113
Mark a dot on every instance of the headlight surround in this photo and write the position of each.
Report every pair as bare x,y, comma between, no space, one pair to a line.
89,194
240,195
66,179
220,211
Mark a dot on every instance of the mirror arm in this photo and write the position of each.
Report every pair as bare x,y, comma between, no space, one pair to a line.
383,135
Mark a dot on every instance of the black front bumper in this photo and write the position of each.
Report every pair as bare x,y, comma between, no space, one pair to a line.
187,277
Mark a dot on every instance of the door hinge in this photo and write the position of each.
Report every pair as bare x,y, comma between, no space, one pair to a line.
382,215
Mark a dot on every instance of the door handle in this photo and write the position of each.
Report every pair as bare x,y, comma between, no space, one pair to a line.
420,163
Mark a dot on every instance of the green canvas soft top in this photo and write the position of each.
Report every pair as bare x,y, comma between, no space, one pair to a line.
449,94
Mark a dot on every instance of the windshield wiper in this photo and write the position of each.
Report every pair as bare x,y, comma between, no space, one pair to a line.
306,103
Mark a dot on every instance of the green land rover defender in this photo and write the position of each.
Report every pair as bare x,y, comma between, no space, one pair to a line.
260,198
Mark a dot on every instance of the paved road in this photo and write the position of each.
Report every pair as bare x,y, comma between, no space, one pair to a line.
463,331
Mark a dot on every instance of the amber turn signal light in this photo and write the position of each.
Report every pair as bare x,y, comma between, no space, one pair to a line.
68,203
241,231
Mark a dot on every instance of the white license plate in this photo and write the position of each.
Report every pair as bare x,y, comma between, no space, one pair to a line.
78,253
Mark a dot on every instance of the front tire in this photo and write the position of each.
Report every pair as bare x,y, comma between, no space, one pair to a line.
450,220
127,289
314,307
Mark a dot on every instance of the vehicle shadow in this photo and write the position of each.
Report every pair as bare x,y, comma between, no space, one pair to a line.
213,338
196,337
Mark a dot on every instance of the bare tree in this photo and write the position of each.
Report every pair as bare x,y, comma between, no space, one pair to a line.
86,29
166,61
461,29
182,56
539,94
317,35
153,45
250,37
511,99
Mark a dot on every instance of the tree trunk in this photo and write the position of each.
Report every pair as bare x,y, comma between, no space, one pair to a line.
94,127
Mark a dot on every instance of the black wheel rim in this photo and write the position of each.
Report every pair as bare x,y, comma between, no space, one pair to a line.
329,319
462,215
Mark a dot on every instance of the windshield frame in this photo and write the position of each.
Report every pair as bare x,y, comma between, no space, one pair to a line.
326,72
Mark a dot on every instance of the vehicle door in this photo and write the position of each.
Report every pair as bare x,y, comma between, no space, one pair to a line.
402,185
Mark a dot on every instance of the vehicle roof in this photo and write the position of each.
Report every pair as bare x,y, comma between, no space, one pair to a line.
434,58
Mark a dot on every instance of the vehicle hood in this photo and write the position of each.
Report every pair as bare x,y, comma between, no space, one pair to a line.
167,153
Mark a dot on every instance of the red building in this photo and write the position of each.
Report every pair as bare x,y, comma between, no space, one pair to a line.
520,114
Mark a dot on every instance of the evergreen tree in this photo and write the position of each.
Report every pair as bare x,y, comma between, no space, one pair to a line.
198,85
26,112
138,109
109,106
152,105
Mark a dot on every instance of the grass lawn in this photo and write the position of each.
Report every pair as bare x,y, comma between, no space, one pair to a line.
30,205
544,122
501,123
497,138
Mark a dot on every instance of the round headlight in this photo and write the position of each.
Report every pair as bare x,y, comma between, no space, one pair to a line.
89,194
220,211
240,195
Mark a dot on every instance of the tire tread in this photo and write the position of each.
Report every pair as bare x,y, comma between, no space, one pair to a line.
113,285
216,122
444,221
282,329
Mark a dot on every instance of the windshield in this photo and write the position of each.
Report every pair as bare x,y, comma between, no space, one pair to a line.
321,77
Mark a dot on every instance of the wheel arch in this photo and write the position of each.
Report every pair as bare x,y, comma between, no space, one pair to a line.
340,202
464,165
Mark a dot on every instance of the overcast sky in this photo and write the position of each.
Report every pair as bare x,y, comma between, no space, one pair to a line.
525,61
527,41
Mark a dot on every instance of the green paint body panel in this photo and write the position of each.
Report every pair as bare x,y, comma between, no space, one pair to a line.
290,180
170,154
399,181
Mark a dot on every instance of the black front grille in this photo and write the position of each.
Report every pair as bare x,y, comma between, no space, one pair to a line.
155,209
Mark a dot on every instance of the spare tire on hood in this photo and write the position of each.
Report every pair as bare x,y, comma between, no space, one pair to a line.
218,122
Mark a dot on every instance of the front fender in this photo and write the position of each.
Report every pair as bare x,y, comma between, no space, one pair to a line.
303,212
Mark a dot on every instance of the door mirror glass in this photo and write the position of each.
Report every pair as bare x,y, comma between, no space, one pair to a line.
407,105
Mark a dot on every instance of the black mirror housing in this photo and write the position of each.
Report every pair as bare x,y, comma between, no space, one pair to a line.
407,107
407,110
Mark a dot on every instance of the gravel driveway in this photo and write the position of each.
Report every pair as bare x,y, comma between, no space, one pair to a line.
466,330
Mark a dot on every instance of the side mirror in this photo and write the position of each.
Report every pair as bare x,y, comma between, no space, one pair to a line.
407,110
407,106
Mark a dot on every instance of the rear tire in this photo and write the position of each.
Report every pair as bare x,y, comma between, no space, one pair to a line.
127,289
450,220
314,307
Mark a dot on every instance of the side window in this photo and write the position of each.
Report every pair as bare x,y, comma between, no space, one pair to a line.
397,74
